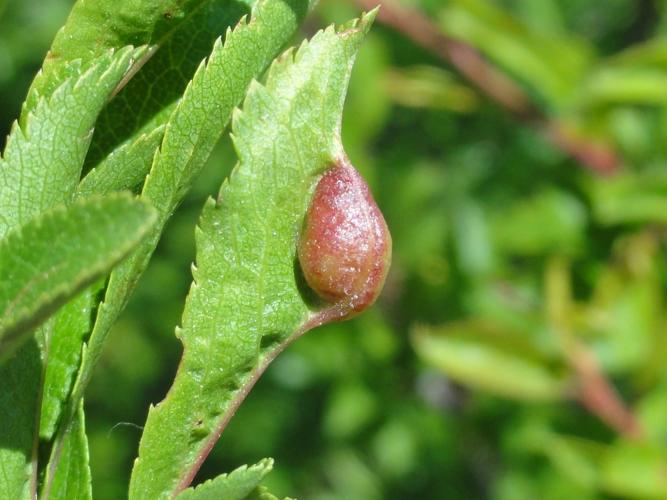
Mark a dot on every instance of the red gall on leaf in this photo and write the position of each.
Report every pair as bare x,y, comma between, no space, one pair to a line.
345,246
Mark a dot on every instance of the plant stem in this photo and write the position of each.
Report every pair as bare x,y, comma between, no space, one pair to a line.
593,390
597,156
599,396
324,316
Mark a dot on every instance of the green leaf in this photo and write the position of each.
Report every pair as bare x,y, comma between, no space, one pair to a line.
19,396
548,221
429,87
42,161
237,485
40,169
150,97
638,86
483,357
553,65
72,479
627,199
95,27
194,128
64,357
636,470
51,258
125,168
241,310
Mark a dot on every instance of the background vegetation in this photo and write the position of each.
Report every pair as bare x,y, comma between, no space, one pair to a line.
519,348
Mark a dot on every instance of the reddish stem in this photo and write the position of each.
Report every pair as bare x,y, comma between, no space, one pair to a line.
324,316
491,82
598,395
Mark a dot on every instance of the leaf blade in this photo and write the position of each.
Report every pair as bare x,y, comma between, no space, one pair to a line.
238,315
479,355
273,23
43,158
237,485
73,479
53,257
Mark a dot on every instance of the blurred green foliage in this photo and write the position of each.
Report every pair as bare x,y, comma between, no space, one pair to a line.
462,382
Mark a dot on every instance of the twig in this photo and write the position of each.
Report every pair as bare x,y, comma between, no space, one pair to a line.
598,395
593,390
491,82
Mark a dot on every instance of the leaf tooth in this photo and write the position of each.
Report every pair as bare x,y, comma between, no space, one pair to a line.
105,63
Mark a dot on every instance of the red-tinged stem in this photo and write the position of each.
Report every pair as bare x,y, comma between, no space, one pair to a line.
491,82
598,395
324,316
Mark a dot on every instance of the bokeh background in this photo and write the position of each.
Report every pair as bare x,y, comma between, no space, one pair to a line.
518,149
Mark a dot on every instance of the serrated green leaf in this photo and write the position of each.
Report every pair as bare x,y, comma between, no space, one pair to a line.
72,479
237,485
51,258
241,311
150,97
489,359
95,27
125,168
42,160
120,154
193,130
40,169
64,357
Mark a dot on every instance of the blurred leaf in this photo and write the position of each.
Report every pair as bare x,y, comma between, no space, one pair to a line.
51,258
633,132
483,357
417,214
350,408
240,484
471,237
370,109
395,448
577,459
636,470
551,65
624,86
350,477
240,313
544,16
651,412
429,87
549,221
651,53
626,326
629,198
513,306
